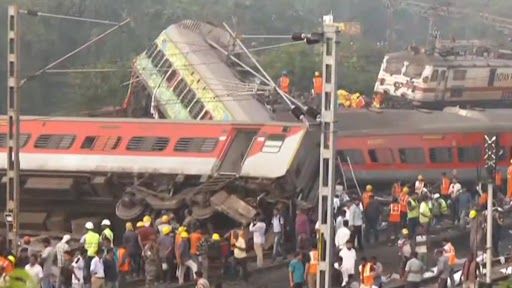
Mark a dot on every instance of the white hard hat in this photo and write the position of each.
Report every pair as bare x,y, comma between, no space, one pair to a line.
105,222
436,196
89,225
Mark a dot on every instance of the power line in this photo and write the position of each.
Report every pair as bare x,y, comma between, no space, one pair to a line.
39,13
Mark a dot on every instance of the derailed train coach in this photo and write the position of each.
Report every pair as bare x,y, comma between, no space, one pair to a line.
77,167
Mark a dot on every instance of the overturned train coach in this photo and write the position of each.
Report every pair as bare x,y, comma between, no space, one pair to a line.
82,166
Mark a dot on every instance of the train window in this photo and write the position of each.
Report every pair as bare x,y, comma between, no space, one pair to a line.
157,58
355,156
456,92
471,154
191,97
23,140
54,141
196,109
394,66
101,143
441,155
381,155
434,76
140,143
180,87
412,155
273,143
172,77
165,67
414,70
459,75
442,75
201,145
151,50
206,115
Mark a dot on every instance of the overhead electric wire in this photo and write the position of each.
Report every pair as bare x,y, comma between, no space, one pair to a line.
39,13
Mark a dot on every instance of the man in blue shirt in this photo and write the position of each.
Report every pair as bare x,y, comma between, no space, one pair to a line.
297,271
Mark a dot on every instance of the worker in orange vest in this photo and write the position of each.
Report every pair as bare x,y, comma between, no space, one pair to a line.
445,186
284,83
404,200
396,189
358,101
378,101
366,195
509,181
317,84
123,265
498,178
367,273
394,217
312,266
449,251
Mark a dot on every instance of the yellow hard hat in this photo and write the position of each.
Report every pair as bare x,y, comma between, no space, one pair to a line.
140,224
420,177
215,237
405,190
166,230
165,218
473,214
184,234
317,73
12,259
405,231
369,188
146,219
182,229
129,226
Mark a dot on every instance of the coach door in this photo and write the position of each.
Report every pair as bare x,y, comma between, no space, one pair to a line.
235,155
441,84
492,76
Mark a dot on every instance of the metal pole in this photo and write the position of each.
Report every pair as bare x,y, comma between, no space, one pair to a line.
488,267
327,181
13,115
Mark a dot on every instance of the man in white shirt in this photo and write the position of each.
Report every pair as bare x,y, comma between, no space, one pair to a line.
355,222
277,228
342,236
97,272
419,186
349,256
339,220
257,227
455,190
35,270
78,269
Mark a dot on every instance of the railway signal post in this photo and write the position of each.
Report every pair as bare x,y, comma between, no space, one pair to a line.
13,136
490,163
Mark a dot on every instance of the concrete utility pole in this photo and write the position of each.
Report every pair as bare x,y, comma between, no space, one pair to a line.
13,137
327,181
490,159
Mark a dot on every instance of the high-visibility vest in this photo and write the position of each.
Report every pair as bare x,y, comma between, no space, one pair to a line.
368,278
122,255
499,178
378,101
317,85
366,198
313,263
483,199
107,233
449,251
7,265
92,242
444,207
394,213
284,84
414,211
509,182
404,199
445,186
397,189
425,214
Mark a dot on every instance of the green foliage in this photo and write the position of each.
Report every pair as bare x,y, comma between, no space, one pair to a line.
20,278
46,39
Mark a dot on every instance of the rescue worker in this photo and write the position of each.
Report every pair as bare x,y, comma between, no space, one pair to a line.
165,244
476,231
449,251
367,273
366,195
150,256
378,100
404,249
394,217
404,199
91,242
344,98
123,265
482,201
357,101
312,267
164,222
439,209
106,232
455,189
284,82
317,84
413,213
425,213
396,189
372,216
445,186
509,181
419,186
